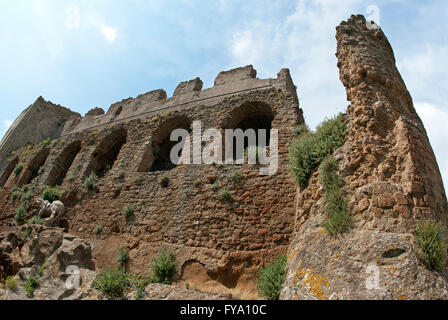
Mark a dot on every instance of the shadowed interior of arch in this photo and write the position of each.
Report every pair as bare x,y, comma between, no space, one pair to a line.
107,152
162,144
63,163
35,165
251,115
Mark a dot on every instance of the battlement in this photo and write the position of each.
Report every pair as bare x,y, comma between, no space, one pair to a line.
44,120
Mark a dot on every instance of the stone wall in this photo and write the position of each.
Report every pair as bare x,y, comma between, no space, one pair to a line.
40,121
225,242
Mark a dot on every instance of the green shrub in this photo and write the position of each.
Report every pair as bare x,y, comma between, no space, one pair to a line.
14,195
98,229
215,186
25,188
11,283
36,220
225,195
164,181
432,244
91,183
26,197
310,149
50,194
123,256
45,142
21,212
197,183
31,284
235,177
42,269
128,211
163,267
339,219
138,180
141,286
112,283
18,169
25,233
271,277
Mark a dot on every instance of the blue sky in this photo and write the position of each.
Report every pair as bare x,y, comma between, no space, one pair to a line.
85,54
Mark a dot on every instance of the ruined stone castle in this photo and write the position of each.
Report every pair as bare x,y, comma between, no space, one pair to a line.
389,170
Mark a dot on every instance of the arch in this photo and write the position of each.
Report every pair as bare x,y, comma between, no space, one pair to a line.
156,155
106,153
34,166
8,171
63,163
251,115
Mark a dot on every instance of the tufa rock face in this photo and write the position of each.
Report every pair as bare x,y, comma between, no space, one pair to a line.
391,179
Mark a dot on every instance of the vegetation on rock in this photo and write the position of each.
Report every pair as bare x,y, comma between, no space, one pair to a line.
432,244
310,149
271,278
113,283
91,183
339,219
163,267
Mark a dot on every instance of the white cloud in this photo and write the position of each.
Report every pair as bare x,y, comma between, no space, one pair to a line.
435,121
305,42
73,20
109,33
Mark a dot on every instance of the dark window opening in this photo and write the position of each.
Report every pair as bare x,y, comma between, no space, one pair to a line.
35,167
107,153
63,163
162,145
253,115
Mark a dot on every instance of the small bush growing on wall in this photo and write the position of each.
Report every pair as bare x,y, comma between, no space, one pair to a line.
20,214
123,256
163,267
50,194
31,284
310,149
271,278
431,244
11,283
164,181
18,169
112,283
235,177
91,182
128,211
225,195
339,219
98,229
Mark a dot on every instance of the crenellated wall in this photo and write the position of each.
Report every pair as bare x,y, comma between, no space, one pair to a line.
220,244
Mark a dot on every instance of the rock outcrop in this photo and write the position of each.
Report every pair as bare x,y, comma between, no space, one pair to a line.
391,180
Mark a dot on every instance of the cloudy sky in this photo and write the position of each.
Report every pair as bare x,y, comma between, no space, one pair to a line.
84,54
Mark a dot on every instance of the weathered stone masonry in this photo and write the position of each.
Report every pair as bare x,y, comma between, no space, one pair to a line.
229,241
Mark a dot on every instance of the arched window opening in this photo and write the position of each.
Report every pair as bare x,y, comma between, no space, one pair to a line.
161,144
253,115
107,152
34,167
8,171
63,163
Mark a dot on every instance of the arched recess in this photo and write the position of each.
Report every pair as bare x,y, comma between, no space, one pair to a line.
105,155
251,115
34,166
8,171
63,163
156,156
